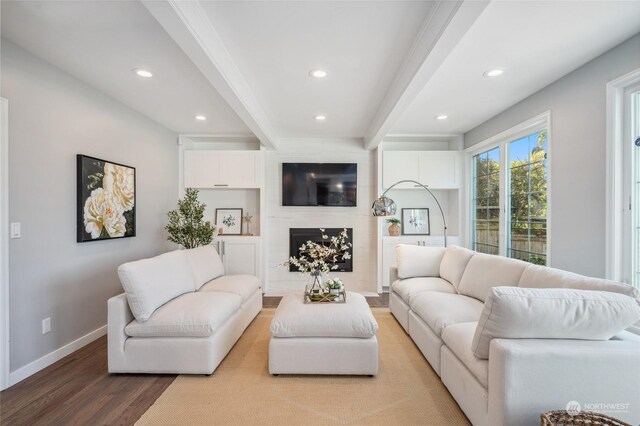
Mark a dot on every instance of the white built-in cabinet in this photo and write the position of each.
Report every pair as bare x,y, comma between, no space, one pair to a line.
240,255
434,161
229,173
437,169
221,169
389,249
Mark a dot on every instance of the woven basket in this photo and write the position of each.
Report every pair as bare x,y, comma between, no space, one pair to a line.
584,418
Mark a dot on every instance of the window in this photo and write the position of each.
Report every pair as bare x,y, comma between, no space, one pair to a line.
623,179
632,187
527,198
486,201
509,183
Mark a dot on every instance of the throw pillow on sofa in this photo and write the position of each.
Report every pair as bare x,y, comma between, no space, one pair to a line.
150,283
552,313
453,263
415,261
205,263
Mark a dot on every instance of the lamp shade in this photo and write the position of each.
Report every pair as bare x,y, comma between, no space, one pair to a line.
384,206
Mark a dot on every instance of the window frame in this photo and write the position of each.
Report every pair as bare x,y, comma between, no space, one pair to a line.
615,196
502,140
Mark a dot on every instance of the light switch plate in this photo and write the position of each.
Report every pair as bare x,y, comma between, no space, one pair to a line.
16,230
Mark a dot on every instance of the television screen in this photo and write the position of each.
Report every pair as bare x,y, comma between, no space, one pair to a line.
315,184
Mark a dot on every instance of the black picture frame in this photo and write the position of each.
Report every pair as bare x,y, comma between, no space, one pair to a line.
106,199
412,227
236,216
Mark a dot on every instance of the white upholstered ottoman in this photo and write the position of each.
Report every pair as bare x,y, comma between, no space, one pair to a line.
323,338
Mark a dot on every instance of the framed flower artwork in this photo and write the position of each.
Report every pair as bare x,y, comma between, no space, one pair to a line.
415,221
106,207
229,221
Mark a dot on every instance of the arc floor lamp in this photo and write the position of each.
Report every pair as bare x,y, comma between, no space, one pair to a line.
385,206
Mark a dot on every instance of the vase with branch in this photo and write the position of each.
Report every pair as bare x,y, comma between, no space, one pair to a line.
317,258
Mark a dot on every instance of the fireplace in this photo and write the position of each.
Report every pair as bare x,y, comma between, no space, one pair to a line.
299,236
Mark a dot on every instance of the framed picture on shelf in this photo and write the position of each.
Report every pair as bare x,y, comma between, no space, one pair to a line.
415,221
229,221
106,200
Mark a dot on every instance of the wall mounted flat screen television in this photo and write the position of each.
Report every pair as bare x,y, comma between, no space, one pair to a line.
319,184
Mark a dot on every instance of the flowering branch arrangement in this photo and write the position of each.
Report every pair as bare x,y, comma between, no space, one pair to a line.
316,257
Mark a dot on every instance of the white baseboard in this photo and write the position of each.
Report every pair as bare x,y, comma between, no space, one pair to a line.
22,373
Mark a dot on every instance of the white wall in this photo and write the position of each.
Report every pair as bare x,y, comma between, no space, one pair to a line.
53,117
280,219
578,161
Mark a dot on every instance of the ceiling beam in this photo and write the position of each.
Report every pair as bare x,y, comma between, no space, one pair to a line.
442,29
190,27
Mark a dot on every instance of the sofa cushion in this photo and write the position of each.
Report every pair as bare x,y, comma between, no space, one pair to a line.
150,283
552,313
410,287
536,276
458,338
453,263
293,318
190,315
415,261
485,271
205,264
440,310
242,285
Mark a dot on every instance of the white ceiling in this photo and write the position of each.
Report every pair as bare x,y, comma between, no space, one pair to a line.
536,42
360,44
263,51
100,42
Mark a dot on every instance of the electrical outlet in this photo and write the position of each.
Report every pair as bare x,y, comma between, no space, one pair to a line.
46,325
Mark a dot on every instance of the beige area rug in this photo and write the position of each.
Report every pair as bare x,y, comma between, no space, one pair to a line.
242,392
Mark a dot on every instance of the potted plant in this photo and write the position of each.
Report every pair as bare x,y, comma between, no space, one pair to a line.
394,228
186,225
335,286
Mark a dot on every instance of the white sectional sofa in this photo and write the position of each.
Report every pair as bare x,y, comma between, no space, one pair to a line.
179,313
530,348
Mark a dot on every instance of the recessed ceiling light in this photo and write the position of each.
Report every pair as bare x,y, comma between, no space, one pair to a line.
493,73
320,117
441,117
200,117
142,73
318,73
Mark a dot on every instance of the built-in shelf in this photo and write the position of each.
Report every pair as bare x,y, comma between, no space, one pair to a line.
228,171
430,160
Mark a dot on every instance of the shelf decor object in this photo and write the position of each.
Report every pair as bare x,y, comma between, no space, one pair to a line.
106,199
385,206
415,221
322,296
229,221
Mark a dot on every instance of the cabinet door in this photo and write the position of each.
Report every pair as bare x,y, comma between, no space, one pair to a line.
400,165
439,169
239,257
201,169
240,169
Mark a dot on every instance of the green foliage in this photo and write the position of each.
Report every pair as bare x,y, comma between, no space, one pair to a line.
186,226
393,220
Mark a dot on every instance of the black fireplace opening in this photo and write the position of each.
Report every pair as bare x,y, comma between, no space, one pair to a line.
299,236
